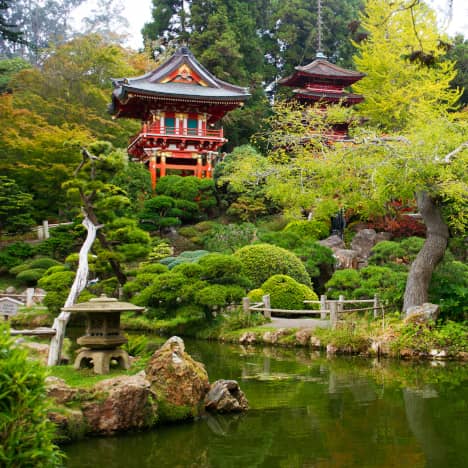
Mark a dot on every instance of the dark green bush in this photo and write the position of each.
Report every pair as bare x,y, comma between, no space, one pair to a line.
62,241
217,296
222,269
396,255
261,261
387,283
30,277
14,254
286,293
26,434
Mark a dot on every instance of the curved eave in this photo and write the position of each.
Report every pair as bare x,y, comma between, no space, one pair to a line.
334,97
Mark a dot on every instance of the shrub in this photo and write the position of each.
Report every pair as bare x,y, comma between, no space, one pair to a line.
314,229
222,269
261,261
396,254
155,268
229,237
388,284
14,254
189,270
61,242
286,293
30,277
218,296
449,288
26,434
189,256
256,295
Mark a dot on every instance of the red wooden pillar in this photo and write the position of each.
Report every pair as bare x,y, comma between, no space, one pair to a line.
152,168
163,166
198,171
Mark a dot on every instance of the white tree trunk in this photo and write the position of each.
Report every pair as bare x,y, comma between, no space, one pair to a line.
79,284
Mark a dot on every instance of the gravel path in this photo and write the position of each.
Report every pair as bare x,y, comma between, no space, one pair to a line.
278,322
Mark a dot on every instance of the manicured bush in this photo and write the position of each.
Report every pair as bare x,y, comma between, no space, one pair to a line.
222,269
62,241
30,277
184,257
217,296
256,295
261,261
26,434
42,263
286,293
189,270
155,268
387,283
396,255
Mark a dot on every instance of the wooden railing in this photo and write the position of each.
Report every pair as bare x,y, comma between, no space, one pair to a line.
196,132
329,308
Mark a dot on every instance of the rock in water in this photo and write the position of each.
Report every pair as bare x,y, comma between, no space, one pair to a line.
177,380
225,396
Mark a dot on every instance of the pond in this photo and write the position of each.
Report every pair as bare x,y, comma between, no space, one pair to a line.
308,411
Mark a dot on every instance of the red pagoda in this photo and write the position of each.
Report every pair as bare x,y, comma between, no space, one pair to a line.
179,104
323,83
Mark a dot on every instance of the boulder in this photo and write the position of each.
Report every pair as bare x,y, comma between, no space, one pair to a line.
333,242
346,259
123,404
363,242
303,336
422,314
37,350
315,342
272,337
10,290
176,379
58,390
248,338
225,396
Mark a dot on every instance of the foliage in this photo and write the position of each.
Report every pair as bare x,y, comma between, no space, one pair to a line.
394,254
43,263
191,189
26,434
403,51
62,241
160,212
387,283
313,229
229,237
285,293
137,345
449,336
458,53
31,276
222,269
261,261
14,254
217,296
185,257
56,285
15,207
131,242
8,68
449,288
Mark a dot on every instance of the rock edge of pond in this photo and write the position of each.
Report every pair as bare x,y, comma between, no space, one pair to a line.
173,387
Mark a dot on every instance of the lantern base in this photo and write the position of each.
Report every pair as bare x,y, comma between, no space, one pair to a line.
100,359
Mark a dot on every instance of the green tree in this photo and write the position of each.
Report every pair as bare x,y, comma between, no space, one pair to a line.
15,207
458,53
426,159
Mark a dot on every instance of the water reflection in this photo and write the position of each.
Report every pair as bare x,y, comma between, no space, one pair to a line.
308,411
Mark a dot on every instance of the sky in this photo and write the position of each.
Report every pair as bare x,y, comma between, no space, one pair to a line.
138,12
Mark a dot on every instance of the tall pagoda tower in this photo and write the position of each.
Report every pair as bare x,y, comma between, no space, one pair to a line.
323,83
180,104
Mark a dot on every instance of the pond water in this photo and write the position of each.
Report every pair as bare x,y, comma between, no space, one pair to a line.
308,411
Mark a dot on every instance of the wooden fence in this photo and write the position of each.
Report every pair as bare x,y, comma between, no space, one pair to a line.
330,309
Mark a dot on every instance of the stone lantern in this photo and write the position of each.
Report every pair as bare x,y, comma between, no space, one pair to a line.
103,335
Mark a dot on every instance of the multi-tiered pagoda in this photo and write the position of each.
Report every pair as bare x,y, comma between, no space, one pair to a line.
323,83
180,104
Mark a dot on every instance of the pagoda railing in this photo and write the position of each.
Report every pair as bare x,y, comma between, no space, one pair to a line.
186,132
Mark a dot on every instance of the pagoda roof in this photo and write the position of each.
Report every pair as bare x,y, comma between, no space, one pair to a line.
315,95
180,78
323,70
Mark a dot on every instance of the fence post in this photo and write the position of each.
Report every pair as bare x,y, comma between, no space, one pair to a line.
340,307
266,305
323,307
246,305
45,229
376,305
333,313
29,297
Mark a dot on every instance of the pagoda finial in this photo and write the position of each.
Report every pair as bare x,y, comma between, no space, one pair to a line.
319,53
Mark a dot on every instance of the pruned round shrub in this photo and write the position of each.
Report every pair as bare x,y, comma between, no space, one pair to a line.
14,254
261,261
30,277
57,281
286,293
223,269
155,268
189,270
256,295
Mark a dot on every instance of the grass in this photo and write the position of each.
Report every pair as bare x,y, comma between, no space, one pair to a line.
86,378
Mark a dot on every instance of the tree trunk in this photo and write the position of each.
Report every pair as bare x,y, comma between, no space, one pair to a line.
432,252
79,284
